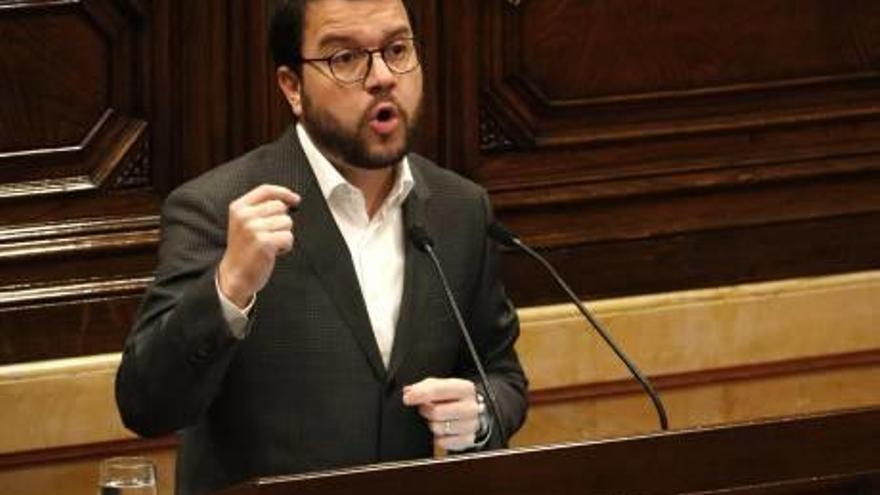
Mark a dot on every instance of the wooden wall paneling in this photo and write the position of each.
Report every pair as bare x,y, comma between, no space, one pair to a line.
642,155
460,38
71,87
154,94
78,224
428,25
708,258
203,77
607,127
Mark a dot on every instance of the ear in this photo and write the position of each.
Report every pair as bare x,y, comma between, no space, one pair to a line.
291,85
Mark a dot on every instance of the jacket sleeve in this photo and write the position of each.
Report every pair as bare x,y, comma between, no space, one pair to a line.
177,353
494,323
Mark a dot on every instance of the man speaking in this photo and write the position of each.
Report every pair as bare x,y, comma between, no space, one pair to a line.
293,325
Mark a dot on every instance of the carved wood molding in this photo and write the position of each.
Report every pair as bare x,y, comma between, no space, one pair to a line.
60,149
76,228
74,257
585,185
31,4
46,187
493,137
135,170
90,244
68,291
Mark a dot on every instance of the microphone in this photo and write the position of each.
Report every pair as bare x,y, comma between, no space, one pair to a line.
506,237
422,240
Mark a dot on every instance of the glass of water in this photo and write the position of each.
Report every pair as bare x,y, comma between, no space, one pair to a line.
127,476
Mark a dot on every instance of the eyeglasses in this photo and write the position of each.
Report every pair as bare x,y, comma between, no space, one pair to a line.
353,65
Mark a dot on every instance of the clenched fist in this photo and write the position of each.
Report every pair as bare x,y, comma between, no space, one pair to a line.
259,229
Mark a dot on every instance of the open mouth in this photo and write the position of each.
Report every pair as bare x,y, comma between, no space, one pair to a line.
385,119
385,114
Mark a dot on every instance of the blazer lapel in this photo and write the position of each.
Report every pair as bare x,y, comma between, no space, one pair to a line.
418,274
323,246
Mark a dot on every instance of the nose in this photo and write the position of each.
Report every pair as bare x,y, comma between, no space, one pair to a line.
379,78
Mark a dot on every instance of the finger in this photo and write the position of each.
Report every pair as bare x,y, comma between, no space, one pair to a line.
269,208
269,224
279,241
267,192
453,428
438,390
450,410
277,223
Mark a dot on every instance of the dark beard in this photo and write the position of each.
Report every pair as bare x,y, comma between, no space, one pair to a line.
329,135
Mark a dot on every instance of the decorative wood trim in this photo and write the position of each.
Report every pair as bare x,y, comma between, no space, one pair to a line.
704,126
78,227
126,162
594,222
863,77
79,244
688,175
56,293
30,4
493,137
708,377
87,142
134,170
102,449
47,187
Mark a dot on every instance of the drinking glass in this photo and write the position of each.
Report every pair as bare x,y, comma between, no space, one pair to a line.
127,476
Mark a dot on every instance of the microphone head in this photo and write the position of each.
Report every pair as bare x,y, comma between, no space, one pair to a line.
502,234
420,237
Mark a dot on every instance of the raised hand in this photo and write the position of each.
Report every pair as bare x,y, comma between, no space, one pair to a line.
260,228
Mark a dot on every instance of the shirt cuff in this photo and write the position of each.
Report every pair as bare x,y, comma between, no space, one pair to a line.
236,318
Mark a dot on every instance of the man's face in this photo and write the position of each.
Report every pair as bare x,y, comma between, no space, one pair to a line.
366,124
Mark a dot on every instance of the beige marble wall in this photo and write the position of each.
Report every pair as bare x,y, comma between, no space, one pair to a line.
727,355
701,405
704,329
721,355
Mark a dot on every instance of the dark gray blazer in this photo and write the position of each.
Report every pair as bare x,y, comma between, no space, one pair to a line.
307,388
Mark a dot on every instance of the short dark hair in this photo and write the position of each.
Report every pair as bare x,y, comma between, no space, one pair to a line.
286,31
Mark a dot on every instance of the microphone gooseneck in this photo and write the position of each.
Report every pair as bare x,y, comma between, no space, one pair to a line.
422,240
504,236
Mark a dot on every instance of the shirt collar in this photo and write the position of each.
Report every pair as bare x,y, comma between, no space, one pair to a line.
330,180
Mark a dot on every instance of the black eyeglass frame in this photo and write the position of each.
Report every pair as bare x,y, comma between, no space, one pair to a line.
417,47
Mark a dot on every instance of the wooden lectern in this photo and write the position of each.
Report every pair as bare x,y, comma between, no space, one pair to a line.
833,453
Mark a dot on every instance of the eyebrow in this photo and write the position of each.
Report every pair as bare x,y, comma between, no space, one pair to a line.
341,39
